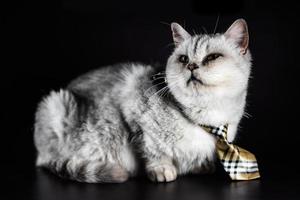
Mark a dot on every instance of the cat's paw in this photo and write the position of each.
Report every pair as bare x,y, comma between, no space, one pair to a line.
162,173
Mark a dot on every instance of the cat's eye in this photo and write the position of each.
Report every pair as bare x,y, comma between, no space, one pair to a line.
183,59
211,57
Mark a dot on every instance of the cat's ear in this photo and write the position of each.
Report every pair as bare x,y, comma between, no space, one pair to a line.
238,32
179,34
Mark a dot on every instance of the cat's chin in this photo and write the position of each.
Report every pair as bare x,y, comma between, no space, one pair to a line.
198,85
197,90
194,80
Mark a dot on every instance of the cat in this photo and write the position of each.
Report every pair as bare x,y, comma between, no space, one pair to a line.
111,122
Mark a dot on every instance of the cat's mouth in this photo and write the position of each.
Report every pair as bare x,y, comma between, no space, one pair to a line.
193,79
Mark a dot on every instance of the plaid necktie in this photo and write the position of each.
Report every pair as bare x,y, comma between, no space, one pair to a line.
239,163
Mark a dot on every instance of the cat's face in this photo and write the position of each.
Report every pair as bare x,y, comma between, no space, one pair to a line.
216,65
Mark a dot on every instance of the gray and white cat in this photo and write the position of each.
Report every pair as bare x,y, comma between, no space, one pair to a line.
109,121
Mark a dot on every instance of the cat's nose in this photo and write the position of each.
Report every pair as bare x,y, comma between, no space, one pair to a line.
192,66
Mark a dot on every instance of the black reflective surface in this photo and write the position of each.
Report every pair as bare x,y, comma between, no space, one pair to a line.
41,185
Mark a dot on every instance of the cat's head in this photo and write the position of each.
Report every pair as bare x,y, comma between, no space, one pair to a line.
216,65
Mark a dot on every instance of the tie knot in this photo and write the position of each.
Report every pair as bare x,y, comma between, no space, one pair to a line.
220,131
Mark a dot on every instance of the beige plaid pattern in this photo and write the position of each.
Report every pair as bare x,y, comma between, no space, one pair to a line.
239,163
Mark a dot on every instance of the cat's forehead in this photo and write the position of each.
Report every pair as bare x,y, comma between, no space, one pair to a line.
199,42
203,44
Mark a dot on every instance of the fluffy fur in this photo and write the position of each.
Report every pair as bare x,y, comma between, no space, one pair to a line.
107,121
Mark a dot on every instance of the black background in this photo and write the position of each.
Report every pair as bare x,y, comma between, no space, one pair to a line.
45,44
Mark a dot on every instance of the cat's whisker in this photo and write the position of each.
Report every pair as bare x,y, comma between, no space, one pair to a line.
168,90
194,32
158,92
161,94
153,87
162,77
176,77
169,45
165,23
216,25
162,72
168,87
247,115
204,29
158,74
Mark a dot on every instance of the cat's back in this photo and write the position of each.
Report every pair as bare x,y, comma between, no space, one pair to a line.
96,82
105,81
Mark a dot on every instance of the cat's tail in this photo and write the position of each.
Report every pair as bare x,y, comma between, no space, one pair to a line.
88,172
55,113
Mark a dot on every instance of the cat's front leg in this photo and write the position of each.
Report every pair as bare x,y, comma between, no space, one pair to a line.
161,170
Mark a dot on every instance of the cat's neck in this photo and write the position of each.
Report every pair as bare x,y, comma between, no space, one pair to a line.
211,110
